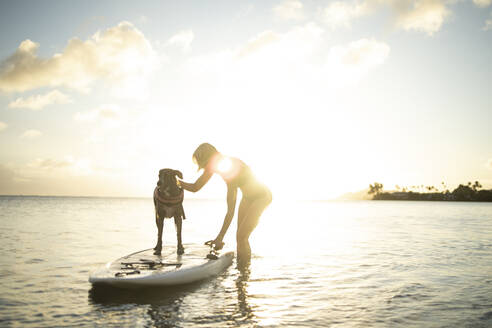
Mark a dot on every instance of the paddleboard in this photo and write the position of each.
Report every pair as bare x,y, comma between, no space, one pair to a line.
143,269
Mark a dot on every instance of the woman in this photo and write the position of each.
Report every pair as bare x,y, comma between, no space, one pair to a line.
237,175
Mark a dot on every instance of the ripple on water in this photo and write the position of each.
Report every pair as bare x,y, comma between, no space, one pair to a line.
487,316
34,261
410,293
4,302
393,264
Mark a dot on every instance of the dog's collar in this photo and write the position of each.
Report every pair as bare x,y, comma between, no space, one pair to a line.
168,200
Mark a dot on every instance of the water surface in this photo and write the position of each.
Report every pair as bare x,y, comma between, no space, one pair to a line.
315,264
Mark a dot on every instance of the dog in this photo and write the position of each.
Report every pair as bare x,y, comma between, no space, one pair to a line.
168,203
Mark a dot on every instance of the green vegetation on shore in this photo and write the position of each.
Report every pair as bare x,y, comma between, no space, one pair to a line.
469,192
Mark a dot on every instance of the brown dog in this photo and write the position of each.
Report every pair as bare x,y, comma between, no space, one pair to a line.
168,203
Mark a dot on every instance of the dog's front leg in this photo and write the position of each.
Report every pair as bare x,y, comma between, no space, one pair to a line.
179,222
160,227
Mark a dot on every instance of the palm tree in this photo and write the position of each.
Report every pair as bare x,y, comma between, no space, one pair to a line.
375,189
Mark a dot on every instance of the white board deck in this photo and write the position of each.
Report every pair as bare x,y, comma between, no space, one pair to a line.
143,269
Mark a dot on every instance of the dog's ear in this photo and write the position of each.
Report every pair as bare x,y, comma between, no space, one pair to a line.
161,172
178,173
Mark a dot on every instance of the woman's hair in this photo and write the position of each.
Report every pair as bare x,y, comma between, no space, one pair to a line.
203,154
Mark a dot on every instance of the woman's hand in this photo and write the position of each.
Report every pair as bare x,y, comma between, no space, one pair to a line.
185,185
217,244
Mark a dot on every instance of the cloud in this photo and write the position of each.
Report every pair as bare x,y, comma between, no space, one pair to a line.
40,101
41,167
3,126
182,39
488,23
482,3
422,16
365,53
31,134
280,70
489,164
105,112
258,42
289,10
63,176
7,177
296,51
269,54
352,61
50,164
425,16
340,13
116,54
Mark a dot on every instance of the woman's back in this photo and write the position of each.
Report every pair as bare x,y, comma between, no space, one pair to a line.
239,175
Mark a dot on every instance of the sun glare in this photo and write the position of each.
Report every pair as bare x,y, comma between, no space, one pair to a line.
224,165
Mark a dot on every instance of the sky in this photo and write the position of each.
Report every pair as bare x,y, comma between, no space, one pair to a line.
319,98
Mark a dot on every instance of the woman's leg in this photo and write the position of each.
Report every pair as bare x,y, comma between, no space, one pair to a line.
241,216
248,217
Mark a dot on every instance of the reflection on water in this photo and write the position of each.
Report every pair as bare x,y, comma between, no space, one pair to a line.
106,295
244,309
164,305
314,264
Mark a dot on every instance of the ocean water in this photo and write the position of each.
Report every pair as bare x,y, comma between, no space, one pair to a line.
315,264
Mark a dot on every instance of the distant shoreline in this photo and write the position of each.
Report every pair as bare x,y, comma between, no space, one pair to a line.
463,193
436,197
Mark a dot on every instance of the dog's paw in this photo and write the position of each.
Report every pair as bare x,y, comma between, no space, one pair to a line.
180,250
157,251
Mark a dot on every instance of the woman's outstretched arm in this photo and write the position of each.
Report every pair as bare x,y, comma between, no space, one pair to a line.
231,205
198,184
